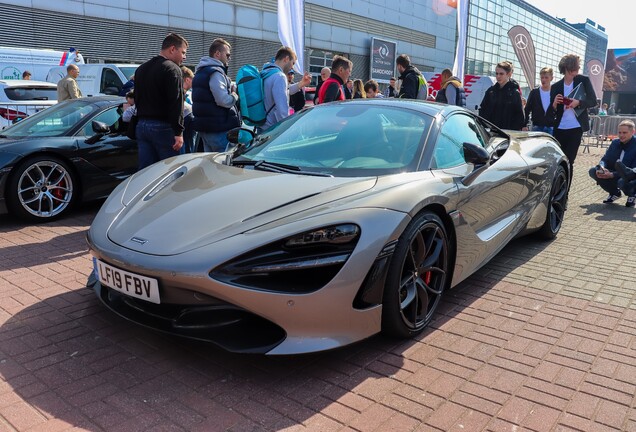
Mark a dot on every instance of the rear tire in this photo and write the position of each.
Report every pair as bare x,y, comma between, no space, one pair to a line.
417,277
41,189
556,205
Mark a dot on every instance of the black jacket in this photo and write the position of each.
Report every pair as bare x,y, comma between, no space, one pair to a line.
588,102
534,109
297,100
410,83
502,106
159,92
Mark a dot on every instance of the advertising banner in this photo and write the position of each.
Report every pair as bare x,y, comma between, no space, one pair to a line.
595,70
620,70
382,60
462,35
291,28
524,48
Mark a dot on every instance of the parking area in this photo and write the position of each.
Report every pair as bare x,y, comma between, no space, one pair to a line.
543,338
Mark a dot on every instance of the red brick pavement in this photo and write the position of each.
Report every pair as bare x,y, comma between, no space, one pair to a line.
541,339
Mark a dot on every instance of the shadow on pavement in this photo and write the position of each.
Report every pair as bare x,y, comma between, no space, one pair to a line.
610,212
75,361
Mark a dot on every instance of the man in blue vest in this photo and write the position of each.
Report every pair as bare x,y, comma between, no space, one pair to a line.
214,98
451,91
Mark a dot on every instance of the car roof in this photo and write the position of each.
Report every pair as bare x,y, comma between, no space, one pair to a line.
27,83
100,100
426,107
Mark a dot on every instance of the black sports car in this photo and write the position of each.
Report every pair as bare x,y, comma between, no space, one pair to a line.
74,151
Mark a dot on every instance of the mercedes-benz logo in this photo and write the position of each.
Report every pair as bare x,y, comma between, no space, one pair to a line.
383,51
521,41
595,69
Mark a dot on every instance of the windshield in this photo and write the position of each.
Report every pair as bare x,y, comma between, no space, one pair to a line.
128,71
29,93
347,136
57,120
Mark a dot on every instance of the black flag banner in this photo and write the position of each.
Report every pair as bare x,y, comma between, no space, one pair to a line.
524,48
596,72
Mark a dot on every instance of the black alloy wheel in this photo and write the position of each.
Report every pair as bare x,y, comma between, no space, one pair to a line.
418,275
556,205
41,189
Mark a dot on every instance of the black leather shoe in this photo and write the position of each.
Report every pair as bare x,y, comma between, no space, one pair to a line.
628,174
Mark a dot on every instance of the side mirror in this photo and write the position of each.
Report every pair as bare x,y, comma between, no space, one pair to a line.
475,154
100,130
100,127
240,135
479,157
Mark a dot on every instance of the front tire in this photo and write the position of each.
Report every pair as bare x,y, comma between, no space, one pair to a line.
41,189
556,205
417,277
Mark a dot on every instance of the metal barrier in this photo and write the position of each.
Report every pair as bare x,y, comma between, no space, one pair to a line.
13,112
603,129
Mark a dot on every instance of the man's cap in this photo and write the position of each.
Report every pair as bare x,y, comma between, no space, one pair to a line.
291,72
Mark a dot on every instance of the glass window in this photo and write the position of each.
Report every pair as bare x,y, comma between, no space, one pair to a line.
355,135
457,130
110,83
57,120
30,93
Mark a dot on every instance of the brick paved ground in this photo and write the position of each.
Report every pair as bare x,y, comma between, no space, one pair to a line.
541,339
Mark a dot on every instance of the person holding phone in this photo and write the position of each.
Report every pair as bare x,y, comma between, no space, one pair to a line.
614,171
570,115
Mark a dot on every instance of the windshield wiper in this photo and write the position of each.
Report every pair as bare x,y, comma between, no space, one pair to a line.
263,165
242,148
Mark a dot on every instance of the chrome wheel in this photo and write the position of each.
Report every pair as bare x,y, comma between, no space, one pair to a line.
417,278
44,188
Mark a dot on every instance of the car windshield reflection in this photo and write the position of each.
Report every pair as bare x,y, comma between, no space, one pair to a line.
345,136
57,120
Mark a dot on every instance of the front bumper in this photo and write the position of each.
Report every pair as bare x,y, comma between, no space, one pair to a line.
227,326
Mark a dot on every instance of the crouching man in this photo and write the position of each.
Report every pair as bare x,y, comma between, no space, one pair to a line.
614,171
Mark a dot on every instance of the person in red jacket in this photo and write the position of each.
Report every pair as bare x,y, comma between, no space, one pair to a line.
331,89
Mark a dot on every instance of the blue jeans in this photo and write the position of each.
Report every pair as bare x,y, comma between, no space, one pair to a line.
189,135
155,139
214,141
547,129
609,185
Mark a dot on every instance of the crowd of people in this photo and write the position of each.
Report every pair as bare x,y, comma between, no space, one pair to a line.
171,108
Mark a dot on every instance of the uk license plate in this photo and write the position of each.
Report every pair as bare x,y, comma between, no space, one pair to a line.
128,283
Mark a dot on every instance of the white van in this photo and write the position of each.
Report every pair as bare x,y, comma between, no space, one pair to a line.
14,61
97,78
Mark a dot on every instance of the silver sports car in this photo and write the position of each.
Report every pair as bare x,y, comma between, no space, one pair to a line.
339,222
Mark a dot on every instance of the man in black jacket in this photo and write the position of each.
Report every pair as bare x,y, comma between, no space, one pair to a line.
159,100
411,77
539,103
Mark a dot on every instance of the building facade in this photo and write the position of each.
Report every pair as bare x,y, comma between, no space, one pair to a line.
125,31
488,42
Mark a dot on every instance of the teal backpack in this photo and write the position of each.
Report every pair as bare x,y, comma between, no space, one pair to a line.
249,86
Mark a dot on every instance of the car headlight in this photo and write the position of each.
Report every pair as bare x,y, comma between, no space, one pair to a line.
301,263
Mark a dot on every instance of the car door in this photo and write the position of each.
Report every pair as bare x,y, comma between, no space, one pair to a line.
488,206
112,157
